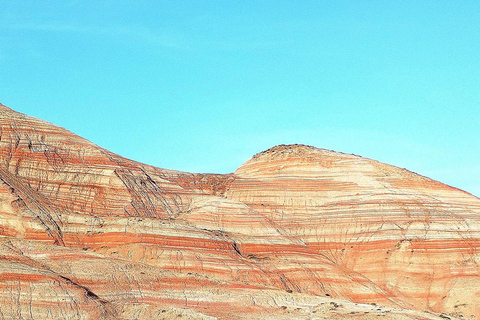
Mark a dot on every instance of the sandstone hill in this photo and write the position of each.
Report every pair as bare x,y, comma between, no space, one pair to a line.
294,233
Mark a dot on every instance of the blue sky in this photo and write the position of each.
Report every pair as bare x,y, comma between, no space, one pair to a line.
203,85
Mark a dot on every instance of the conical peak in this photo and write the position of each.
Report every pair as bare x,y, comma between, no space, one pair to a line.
303,162
295,150
292,159
286,149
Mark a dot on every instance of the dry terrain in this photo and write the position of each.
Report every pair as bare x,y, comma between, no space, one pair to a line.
296,232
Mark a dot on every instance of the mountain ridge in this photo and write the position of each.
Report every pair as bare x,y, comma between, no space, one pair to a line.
278,147
312,226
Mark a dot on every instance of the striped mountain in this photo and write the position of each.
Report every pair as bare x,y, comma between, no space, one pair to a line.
294,233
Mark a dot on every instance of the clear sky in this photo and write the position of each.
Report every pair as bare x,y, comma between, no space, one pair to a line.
203,85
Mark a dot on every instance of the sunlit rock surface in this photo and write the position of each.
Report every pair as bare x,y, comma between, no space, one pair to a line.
295,233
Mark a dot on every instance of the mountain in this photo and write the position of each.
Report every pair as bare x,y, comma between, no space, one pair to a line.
296,232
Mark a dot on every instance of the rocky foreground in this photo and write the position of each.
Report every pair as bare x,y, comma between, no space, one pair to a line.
294,233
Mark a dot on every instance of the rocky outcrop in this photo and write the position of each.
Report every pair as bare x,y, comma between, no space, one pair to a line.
296,232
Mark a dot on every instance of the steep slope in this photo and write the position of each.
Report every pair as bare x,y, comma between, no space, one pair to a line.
88,234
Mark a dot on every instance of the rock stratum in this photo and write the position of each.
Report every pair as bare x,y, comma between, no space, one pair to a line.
294,233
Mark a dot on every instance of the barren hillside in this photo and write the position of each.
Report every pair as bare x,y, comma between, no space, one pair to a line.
296,232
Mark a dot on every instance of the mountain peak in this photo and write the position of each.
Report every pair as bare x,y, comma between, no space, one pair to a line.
297,150
286,149
297,225
287,159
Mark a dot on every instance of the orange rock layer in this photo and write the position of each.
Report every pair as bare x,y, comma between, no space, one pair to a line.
295,233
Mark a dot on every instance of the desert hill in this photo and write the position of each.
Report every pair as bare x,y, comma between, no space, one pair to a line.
296,232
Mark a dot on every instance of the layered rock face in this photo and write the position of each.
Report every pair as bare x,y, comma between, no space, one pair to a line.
415,238
295,233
